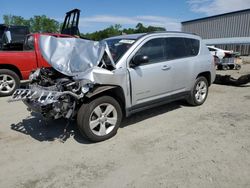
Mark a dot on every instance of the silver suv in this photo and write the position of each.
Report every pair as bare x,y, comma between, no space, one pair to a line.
101,82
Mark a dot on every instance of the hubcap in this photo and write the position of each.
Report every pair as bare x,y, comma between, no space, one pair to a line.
103,119
200,91
7,83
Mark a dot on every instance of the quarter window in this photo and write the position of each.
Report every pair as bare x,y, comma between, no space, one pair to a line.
192,46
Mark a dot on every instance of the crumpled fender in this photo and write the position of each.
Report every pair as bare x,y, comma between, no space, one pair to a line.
99,89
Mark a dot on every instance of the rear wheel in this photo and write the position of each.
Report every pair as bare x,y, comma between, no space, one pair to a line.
99,119
9,82
199,92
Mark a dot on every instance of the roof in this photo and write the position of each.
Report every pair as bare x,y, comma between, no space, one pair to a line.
215,16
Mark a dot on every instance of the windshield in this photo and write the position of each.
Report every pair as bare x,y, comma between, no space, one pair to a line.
118,47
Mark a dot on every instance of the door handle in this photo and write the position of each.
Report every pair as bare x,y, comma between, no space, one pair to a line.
165,67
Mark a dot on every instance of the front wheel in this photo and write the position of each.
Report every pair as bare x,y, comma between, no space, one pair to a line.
99,119
199,92
9,82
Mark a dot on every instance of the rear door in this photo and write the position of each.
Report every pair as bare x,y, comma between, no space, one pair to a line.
181,54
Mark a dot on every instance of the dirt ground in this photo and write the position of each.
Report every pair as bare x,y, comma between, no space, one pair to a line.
174,145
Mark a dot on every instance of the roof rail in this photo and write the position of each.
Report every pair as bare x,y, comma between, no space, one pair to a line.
171,32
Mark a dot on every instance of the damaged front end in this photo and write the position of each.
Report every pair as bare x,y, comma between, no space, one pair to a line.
52,94
57,92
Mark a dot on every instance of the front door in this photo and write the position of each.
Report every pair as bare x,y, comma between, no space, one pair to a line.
152,80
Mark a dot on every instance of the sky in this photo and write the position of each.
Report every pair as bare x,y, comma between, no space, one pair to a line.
99,14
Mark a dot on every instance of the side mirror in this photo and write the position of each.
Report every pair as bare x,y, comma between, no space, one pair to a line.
138,60
7,37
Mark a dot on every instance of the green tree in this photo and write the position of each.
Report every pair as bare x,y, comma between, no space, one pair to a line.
15,20
44,24
117,30
41,24
108,32
140,28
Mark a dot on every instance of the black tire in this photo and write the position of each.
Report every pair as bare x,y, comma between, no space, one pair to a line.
12,78
231,67
219,67
192,99
225,67
87,112
237,67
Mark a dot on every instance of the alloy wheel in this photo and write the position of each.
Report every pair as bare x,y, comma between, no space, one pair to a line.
200,91
7,83
103,119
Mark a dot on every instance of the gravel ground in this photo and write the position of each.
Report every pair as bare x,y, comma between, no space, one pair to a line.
174,145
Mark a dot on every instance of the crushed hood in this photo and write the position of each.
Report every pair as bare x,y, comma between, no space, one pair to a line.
72,56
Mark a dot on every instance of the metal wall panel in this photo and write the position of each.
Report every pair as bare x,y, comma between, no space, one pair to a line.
234,25
222,26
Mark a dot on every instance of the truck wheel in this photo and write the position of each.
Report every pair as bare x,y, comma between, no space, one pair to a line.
237,67
9,82
225,67
219,67
99,119
199,92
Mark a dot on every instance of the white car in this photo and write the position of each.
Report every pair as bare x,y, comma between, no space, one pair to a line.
220,53
224,58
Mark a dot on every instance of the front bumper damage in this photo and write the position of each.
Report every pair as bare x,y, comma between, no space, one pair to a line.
51,104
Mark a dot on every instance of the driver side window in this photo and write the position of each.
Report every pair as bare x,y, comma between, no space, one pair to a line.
154,50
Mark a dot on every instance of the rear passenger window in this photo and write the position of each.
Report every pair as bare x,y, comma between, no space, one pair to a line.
154,49
177,47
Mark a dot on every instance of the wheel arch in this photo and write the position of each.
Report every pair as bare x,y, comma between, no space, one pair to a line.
110,90
207,75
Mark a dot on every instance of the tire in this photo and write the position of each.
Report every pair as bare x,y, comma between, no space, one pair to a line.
9,82
231,67
224,67
199,92
219,67
237,67
104,125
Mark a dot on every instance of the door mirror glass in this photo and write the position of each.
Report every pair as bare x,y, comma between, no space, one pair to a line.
138,60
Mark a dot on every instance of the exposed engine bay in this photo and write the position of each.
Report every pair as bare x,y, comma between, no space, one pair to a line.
51,93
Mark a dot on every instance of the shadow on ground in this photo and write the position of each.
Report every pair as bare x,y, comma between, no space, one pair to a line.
49,130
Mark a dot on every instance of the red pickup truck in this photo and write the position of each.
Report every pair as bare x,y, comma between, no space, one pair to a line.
17,65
